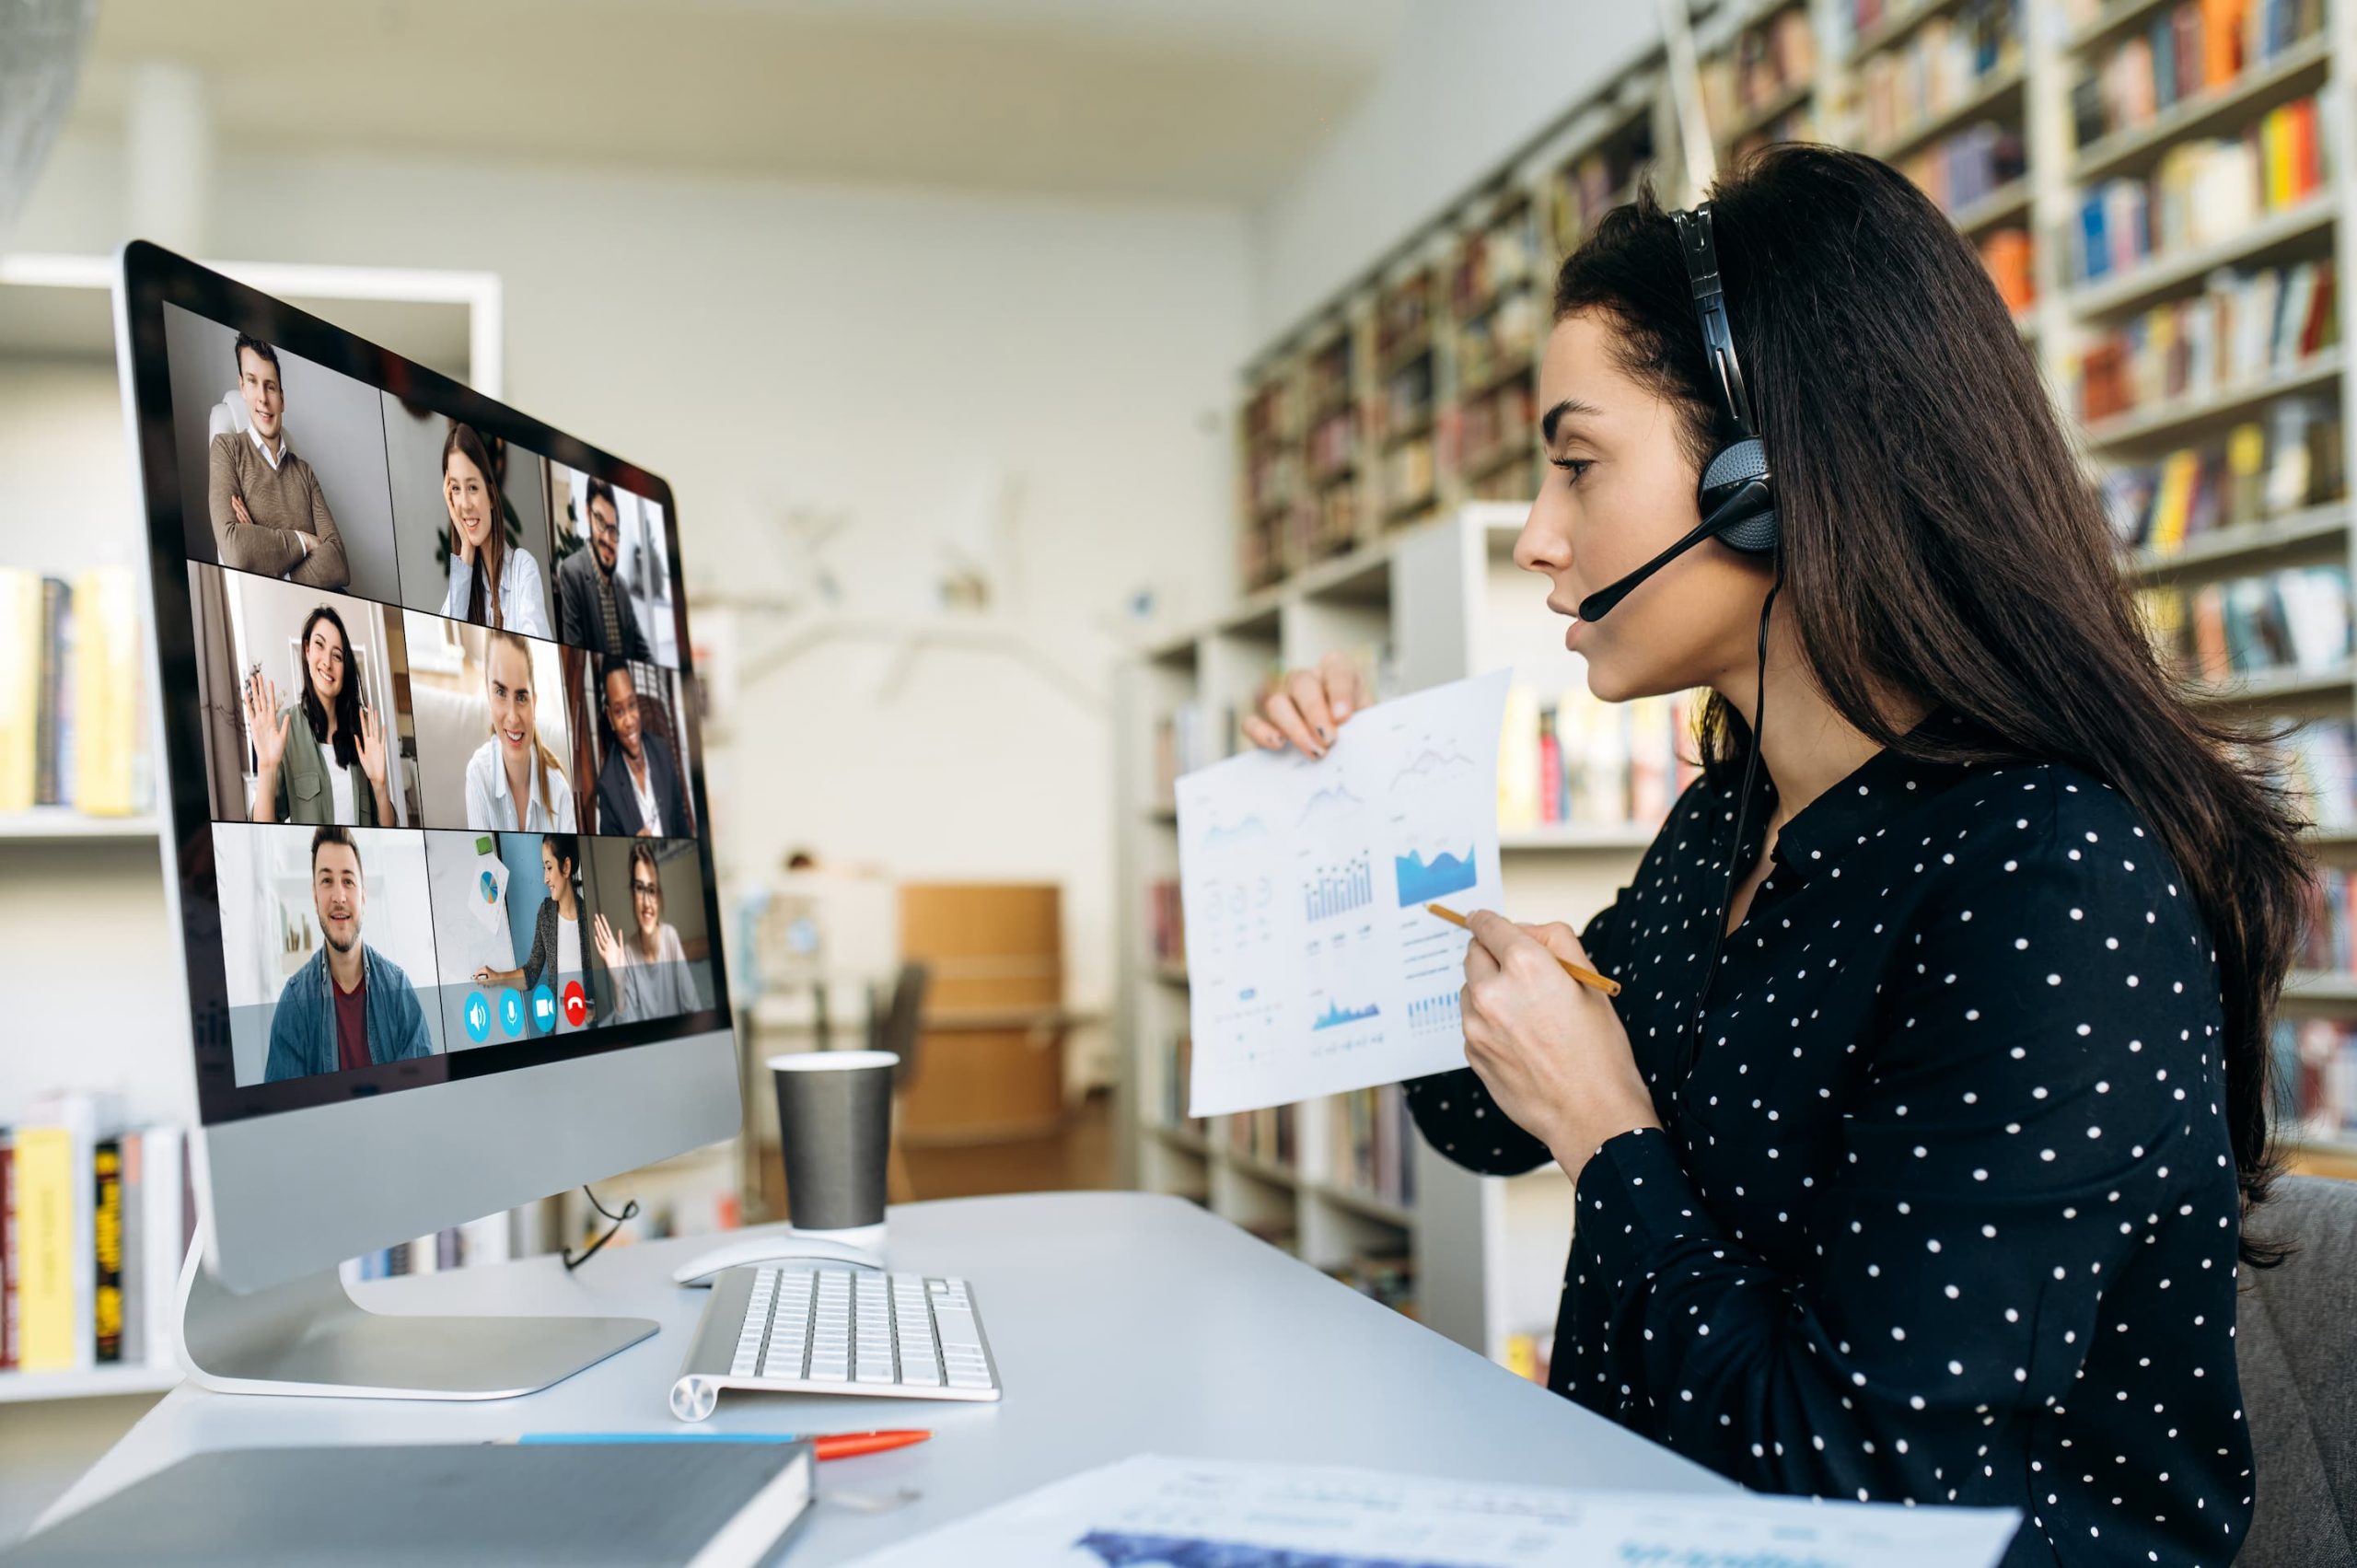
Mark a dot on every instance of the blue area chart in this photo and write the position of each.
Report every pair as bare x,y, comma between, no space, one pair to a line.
1335,1016
1422,881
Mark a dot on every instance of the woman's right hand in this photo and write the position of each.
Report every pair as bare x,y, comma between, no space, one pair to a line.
265,724
1307,707
609,945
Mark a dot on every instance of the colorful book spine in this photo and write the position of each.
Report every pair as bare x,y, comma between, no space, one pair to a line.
47,1175
7,1250
106,1251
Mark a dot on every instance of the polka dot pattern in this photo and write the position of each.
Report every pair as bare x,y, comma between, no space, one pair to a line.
1946,1212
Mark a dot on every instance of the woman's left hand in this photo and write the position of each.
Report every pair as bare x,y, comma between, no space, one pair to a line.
371,747
1550,1051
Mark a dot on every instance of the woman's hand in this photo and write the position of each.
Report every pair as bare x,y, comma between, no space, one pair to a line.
461,545
268,727
609,945
1307,707
371,745
1552,1052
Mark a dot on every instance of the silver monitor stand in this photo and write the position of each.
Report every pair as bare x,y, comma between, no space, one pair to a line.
307,1335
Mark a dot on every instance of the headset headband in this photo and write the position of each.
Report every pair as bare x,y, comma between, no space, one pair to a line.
1710,304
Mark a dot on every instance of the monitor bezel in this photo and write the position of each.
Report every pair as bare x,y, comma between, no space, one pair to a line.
150,278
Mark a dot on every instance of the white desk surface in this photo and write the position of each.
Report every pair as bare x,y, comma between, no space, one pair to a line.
1122,1323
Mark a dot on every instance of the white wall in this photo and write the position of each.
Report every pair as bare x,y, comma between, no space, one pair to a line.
1469,82
901,359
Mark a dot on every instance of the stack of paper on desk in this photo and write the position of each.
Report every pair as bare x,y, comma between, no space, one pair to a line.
1157,1510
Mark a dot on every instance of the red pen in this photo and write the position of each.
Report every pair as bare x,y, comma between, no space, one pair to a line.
850,1444
824,1444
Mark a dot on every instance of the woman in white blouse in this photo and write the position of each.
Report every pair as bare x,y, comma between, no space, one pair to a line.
515,783
492,583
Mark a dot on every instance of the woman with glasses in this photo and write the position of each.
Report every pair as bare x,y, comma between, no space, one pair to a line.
649,967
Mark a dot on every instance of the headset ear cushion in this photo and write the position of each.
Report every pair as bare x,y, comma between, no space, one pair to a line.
1755,535
1741,463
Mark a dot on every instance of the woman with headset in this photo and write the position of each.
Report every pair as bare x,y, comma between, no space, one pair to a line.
1914,1160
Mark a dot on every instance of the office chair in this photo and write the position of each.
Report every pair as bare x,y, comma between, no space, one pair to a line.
894,1028
2295,1346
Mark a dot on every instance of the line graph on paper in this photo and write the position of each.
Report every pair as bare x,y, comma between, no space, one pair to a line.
1313,966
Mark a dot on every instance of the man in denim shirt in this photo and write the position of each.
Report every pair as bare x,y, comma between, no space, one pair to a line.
350,1006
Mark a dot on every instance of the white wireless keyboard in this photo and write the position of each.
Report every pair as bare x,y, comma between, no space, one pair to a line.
802,1329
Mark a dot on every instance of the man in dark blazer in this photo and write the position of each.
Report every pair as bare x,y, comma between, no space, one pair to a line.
593,608
638,789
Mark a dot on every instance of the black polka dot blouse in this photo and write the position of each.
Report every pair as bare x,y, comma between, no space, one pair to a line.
1946,1212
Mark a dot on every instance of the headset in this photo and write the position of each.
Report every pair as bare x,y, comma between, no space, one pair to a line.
1738,498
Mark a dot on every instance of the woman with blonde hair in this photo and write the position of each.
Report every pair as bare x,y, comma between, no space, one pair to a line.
515,765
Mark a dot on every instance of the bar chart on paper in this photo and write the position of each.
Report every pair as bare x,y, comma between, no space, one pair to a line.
1314,968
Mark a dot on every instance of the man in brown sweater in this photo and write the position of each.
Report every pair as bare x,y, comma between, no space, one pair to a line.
268,514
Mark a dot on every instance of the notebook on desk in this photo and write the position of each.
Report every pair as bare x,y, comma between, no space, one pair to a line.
717,1505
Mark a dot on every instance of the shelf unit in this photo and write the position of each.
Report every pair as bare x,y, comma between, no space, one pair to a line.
67,874
1441,600
1488,1254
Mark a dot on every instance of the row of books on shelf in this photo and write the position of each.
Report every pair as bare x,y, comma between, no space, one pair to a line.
1190,735
1267,1134
2316,1078
1528,1351
1411,475
1502,341
1768,60
71,694
96,1218
2185,51
1970,166
2288,461
1987,21
1584,189
2243,327
2010,258
1937,67
1373,1137
487,1241
2317,762
2293,621
1165,922
2202,192
1387,1274
1177,1072
2329,932
1496,262
1569,757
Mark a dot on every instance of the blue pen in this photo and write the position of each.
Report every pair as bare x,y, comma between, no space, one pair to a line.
825,1445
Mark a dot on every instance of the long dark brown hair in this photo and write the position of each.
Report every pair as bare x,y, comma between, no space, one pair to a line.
347,702
1942,540
483,594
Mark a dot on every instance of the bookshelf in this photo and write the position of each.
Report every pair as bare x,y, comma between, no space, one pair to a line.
71,507
2015,116
1417,607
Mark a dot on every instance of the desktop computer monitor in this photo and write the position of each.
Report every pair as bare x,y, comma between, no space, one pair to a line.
435,830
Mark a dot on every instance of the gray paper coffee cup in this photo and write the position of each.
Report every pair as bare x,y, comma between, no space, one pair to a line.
834,1118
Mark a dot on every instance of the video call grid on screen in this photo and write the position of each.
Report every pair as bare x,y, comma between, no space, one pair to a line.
497,926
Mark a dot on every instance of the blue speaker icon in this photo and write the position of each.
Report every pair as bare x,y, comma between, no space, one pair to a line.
477,1018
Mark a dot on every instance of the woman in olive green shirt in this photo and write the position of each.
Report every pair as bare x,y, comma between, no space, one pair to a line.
329,769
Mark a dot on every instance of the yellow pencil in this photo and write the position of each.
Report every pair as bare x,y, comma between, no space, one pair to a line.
1605,983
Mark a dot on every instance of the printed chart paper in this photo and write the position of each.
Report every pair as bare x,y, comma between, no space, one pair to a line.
1152,1509
1312,964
